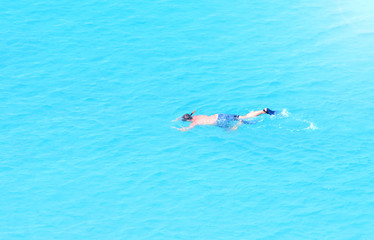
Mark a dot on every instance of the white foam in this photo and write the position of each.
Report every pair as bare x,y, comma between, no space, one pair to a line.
285,113
312,126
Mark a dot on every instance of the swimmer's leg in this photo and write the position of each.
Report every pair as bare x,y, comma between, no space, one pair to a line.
271,112
257,113
240,122
250,122
237,125
252,114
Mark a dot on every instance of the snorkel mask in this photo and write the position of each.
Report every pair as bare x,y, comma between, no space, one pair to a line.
187,116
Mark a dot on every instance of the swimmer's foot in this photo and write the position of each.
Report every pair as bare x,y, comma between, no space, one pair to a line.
268,111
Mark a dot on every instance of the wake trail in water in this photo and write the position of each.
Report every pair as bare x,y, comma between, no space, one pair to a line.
292,123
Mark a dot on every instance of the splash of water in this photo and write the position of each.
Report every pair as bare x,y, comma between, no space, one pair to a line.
312,126
285,113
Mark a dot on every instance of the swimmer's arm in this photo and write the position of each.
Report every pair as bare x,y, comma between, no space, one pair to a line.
192,125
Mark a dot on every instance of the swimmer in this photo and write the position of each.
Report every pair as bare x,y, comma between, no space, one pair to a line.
221,120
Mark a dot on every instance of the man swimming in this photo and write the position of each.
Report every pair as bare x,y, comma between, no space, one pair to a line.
222,120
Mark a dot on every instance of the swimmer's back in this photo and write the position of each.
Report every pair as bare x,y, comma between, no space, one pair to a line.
205,120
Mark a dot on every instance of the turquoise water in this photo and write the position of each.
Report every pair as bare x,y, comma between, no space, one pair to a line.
88,91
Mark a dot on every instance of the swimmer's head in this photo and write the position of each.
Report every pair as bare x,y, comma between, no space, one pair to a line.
187,117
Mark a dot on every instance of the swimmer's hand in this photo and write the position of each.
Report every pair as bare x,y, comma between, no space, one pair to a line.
177,119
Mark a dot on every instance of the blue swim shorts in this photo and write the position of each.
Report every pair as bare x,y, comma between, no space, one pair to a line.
226,120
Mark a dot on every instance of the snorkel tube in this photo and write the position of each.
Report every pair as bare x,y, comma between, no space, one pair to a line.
185,117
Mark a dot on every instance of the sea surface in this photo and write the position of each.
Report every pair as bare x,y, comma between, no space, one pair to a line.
89,89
